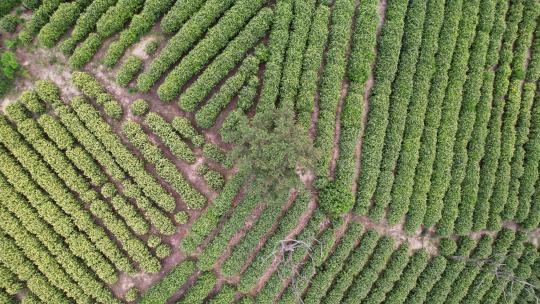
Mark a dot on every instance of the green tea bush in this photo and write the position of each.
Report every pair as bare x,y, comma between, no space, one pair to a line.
139,107
129,69
178,14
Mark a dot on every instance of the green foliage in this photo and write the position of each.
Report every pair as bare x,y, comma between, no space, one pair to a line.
131,295
40,17
166,133
217,38
247,95
331,83
164,167
116,16
198,292
163,251
63,18
140,24
186,130
271,148
214,179
310,68
207,115
7,5
9,23
9,66
129,69
277,46
85,24
177,16
139,107
182,41
113,109
181,217
335,199
160,292
208,220
85,51
151,47
384,71
153,241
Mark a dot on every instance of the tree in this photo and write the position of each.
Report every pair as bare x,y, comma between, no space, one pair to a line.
271,149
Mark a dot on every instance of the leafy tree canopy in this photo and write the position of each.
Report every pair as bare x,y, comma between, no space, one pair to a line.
272,149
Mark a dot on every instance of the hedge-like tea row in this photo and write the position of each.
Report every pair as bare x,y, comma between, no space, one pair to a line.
198,292
261,262
363,48
277,45
399,99
407,281
182,41
429,276
354,264
209,219
323,279
162,291
53,241
86,24
445,212
321,249
86,164
283,273
41,257
490,160
65,170
511,262
241,251
140,24
116,16
214,153
523,128
484,279
186,130
385,70
447,42
365,279
45,178
25,269
301,23
9,281
472,93
62,19
166,133
215,40
177,15
313,56
390,275
56,132
207,115
129,213
463,282
123,156
129,69
88,140
513,205
93,89
225,62
85,51
225,295
409,152
455,265
476,148
78,243
248,93
514,101
237,220
331,82
40,17
164,167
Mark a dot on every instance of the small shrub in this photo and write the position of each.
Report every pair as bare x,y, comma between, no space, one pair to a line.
151,47
181,217
163,251
9,23
335,199
153,241
113,109
139,107
131,294
108,190
130,68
